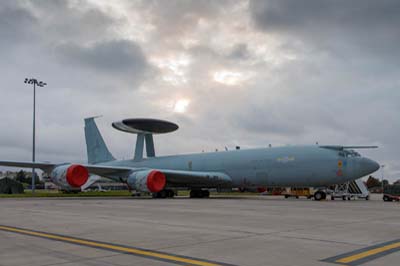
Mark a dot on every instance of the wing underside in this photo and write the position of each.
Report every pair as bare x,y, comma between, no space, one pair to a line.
175,178
178,178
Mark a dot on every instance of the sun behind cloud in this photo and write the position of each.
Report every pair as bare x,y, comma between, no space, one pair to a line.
181,105
230,78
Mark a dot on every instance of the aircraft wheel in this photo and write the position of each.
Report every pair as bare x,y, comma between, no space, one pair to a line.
319,195
205,193
344,198
367,198
195,193
161,194
332,198
169,193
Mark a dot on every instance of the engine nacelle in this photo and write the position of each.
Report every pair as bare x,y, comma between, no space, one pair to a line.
147,181
70,175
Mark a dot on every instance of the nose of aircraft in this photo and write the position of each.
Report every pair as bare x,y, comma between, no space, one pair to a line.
368,166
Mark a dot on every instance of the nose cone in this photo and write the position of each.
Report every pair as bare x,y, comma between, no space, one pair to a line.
368,166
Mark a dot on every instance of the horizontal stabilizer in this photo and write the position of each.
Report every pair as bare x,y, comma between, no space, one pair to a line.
340,148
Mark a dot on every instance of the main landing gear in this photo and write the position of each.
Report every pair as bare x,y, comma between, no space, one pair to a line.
198,193
166,193
319,195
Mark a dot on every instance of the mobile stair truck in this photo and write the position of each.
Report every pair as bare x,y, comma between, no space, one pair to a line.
350,190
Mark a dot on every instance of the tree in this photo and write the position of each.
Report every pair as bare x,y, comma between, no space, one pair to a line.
21,176
28,180
373,182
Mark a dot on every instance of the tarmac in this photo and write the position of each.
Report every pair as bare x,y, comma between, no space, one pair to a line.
260,230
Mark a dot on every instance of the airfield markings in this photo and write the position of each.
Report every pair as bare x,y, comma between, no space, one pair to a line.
364,255
171,258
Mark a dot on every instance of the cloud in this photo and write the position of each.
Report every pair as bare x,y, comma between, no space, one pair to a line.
108,56
16,24
340,27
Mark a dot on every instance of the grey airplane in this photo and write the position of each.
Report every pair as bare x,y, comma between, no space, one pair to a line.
295,166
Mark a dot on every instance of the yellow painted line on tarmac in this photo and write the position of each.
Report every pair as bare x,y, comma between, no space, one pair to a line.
368,253
123,249
364,255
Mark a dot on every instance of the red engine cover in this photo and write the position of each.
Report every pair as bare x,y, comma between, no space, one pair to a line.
77,175
156,181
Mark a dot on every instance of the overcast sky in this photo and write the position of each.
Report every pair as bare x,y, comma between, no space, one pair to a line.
246,73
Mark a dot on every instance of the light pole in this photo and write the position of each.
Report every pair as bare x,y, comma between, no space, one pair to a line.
35,83
382,167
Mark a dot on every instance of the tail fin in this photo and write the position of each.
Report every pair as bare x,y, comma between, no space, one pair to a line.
97,150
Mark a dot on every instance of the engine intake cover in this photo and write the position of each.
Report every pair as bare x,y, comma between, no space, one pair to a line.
70,175
147,180
77,175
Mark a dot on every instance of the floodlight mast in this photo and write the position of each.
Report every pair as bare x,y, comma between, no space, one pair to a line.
40,84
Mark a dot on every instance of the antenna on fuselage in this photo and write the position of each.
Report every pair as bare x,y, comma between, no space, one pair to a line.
145,128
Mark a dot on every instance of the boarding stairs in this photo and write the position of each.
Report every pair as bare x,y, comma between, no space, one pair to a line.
350,190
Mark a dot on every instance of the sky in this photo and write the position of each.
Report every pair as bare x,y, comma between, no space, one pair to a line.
247,73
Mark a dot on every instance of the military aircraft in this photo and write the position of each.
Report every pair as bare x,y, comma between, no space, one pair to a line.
301,166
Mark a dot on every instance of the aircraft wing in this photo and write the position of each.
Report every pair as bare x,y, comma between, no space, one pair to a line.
92,168
105,170
179,178
175,178
42,166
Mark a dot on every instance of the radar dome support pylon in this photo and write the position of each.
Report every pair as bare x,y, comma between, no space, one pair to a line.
145,128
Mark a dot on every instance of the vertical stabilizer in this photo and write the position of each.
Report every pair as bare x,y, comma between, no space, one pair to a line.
97,150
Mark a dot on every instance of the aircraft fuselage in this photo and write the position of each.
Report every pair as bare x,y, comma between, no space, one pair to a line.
280,166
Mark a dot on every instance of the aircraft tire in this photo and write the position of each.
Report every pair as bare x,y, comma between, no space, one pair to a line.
193,194
161,194
196,193
170,193
205,193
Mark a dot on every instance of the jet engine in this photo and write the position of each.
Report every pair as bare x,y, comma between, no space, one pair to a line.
70,175
147,181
